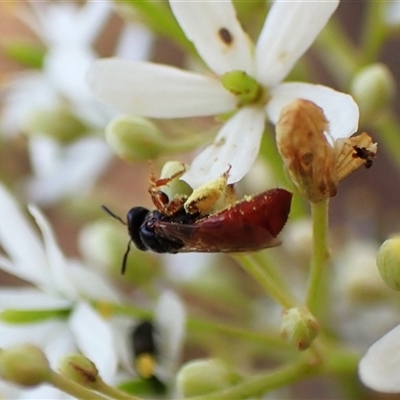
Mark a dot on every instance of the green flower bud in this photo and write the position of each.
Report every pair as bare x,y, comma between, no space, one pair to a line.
200,377
104,244
388,261
24,365
25,53
299,327
175,186
373,88
245,87
134,138
59,124
80,370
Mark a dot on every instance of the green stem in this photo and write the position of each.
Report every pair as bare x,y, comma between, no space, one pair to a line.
271,155
267,339
73,388
316,287
388,127
338,53
374,31
187,143
161,21
258,385
253,268
113,392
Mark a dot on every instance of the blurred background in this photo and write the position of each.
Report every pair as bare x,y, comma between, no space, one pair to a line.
40,167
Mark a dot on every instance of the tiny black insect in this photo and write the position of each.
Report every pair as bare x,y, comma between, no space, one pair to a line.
364,154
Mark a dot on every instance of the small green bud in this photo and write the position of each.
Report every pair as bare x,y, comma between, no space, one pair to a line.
299,327
80,370
176,186
373,88
200,377
134,138
245,87
25,53
59,124
388,261
24,365
103,243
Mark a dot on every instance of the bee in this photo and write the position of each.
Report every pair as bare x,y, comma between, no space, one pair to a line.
250,224
144,349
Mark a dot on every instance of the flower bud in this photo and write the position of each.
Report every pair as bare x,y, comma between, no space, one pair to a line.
80,370
309,159
24,365
373,88
388,261
59,124
200,377
172,171
245,87
299,327
24,52
134,138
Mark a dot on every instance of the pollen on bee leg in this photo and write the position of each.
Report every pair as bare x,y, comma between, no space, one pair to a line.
204,199
302,140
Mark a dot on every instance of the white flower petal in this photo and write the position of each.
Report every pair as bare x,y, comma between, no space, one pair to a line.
66,69
99,287
91,19
170,320
157,91
39,333
17,102
95,340
122,330
237,144
21,242
340,109
203,22
30,299
135,43
69,170
379,369
44,154
289,30
58,270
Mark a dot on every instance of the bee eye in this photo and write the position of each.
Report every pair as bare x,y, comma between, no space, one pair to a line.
135,219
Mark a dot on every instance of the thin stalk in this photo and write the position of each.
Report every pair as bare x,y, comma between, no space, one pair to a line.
316,287
73,388
254,269
258,385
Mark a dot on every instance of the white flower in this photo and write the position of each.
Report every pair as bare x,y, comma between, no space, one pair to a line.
69,31
161,91
59,303
63,286
61,171
379,369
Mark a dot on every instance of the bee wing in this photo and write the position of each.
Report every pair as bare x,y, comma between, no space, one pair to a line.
211,237
189,234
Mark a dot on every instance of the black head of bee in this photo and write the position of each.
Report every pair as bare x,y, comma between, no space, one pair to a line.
150,239
134,219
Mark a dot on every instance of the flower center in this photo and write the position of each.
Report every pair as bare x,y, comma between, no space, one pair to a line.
244,87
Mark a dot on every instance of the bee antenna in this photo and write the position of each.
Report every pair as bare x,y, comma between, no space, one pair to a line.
124,260
109,212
